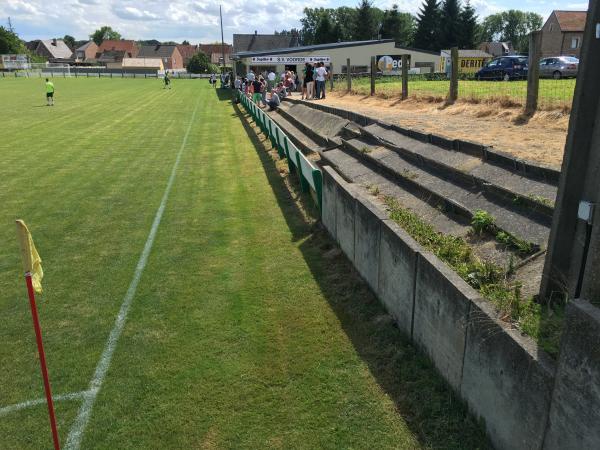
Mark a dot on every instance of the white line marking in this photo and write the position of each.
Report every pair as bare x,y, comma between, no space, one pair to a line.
78,427
39,401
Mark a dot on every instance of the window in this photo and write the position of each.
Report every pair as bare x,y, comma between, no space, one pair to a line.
574,42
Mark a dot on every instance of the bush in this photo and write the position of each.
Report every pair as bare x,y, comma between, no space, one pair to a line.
200,63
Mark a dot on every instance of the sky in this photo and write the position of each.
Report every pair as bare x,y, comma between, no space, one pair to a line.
198,21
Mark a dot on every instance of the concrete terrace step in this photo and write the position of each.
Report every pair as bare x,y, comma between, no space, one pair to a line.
536,193
304,142
322,127
518,220
354,170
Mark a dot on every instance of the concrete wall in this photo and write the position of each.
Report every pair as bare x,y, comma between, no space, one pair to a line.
500,373
575,413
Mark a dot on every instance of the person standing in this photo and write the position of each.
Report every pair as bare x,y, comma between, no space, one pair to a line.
167,80
271,79
256,87
250,76
310,82
321,75
49,92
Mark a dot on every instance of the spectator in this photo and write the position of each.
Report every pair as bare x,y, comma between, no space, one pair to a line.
237,83
271,79
274,101
250,76
321,76
264,89
310,82
256,87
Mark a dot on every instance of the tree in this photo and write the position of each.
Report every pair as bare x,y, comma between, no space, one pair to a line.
398,26
427,34
344,18
185,43
200,63
10,42
310,22
103,34
70,41
469,28
364,26
324,31
511,26
450,31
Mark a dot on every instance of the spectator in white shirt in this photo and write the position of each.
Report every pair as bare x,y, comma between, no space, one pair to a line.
320,77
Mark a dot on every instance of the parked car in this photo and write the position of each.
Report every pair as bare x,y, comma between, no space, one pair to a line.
559,67
504,68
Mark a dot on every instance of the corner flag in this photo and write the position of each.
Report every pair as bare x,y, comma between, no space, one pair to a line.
32,262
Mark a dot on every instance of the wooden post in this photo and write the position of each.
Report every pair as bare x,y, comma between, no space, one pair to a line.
453,94
533,73
373,73
348,75
331,75
404,77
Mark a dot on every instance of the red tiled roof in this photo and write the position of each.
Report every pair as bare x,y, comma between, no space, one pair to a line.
571,20
187,51
121,46
209,49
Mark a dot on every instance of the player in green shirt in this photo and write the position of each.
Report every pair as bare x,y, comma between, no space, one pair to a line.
167,80
49,92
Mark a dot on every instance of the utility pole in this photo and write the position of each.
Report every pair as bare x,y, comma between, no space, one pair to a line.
10,27
572,265
222,42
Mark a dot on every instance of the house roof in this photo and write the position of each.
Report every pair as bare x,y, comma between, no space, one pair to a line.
153,63
111,56
469,54
571,20
309,48
57,48
209,49
117,45
85,46
259,42
187,51
157,51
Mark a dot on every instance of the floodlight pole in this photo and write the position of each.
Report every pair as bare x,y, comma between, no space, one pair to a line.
222,41
572,264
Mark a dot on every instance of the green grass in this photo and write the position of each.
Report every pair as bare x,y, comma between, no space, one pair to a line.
242,334
542,322
553,93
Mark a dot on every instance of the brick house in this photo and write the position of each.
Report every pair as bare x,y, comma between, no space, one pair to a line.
87,52
129,49
169,54
187,51
215,53
563,32
54,50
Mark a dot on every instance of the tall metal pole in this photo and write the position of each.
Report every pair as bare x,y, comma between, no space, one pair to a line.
222,41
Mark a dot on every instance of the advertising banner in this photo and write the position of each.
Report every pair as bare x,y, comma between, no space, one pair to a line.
288,60
391,64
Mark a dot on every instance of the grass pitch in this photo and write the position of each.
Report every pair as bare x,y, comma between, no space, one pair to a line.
241,333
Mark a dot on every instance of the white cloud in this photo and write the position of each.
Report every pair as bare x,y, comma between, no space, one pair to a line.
195,20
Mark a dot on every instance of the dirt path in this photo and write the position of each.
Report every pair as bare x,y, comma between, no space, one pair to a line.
542,139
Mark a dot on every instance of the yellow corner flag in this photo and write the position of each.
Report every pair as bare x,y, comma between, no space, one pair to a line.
32,262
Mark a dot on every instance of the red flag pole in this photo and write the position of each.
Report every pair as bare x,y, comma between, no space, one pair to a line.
40,346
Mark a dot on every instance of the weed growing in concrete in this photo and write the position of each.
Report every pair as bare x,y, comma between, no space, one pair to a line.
482,221
491,280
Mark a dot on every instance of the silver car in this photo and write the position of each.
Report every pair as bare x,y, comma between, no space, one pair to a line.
559,67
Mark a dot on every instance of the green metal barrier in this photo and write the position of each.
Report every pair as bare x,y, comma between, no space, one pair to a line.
311,178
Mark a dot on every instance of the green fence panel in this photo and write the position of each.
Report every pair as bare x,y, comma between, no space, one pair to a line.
304,186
